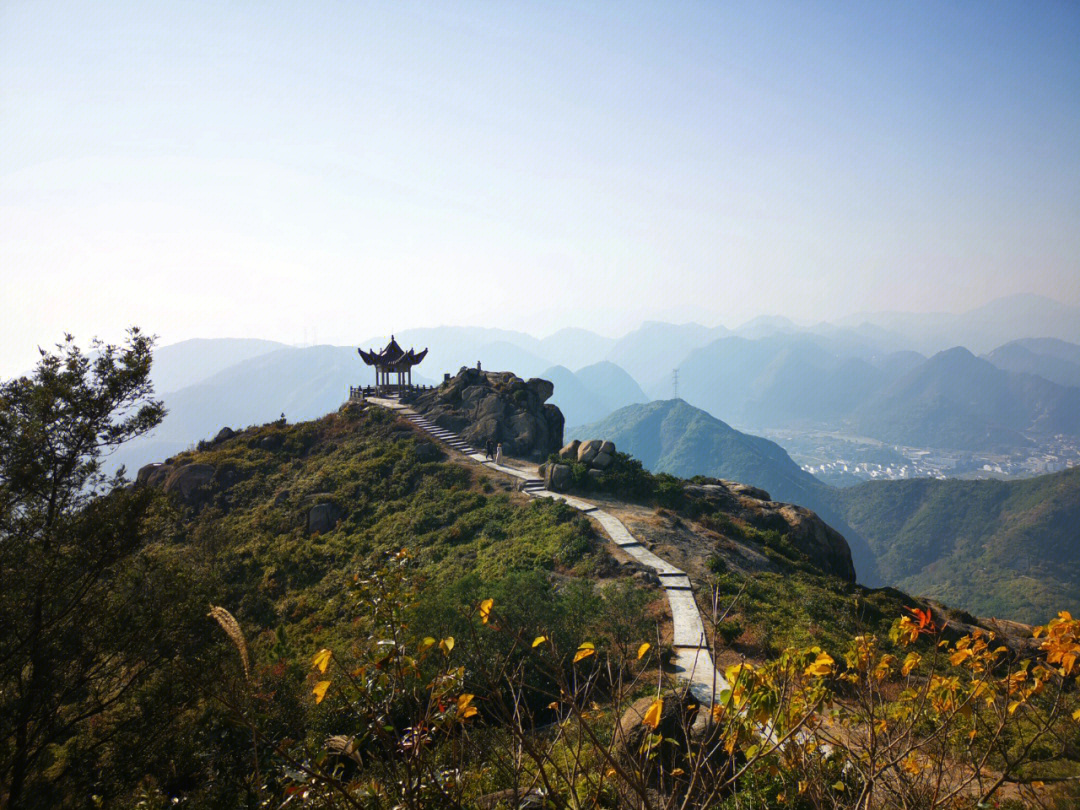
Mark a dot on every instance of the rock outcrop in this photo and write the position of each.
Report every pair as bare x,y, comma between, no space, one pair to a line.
323,516
497,407
188,482
811,535
679,718
595,454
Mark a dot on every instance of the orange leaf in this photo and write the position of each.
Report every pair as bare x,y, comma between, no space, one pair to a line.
652,716
322,660
583,653
320,690
485,609
644,648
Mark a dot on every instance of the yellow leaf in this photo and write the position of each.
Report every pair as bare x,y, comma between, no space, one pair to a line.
485,609
446,645
677,772
583,653
958,657
463,701
912,660
803,786
539,640
822,665
644,648
1013,706
470,711
320,690
322,660
427,644
652,716
1076,715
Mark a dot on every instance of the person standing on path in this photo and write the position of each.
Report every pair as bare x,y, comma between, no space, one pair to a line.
498,453
489,450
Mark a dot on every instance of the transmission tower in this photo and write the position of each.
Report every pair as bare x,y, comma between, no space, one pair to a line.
675,383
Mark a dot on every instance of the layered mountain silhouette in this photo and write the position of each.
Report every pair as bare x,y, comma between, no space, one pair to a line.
592,392
1055,360
957,400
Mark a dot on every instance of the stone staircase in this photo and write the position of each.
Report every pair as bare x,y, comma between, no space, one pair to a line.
533,486
442,434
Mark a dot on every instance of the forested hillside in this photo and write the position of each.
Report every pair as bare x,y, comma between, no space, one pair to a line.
1008,549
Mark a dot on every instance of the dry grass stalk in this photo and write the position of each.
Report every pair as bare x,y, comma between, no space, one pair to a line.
232,630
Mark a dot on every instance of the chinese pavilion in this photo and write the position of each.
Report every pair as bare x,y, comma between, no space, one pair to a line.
392,360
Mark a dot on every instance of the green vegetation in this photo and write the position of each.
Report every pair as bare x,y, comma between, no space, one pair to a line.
390,628
681,440
1004,549
107,652
995,548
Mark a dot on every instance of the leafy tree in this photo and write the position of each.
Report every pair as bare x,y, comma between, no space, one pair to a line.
78,629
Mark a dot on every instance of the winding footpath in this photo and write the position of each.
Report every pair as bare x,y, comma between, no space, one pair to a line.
693,662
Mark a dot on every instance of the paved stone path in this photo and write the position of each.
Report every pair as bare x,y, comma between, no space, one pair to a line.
693,661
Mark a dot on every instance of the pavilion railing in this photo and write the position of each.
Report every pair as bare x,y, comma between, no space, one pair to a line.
361,391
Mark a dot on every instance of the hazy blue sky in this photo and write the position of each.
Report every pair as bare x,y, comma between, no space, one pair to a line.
244,168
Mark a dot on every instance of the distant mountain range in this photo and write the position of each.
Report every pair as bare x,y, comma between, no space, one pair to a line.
783,377
592,392
981,329
956,400
1051,359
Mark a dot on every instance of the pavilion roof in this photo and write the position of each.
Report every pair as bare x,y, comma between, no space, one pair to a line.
392,356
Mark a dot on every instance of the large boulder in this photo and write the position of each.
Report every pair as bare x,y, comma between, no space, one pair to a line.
224,435
152,475
186,481
632,736
818,540
821,544
608,447
558,477
543,389
569,450
589,450
323,517
496,407
602,461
